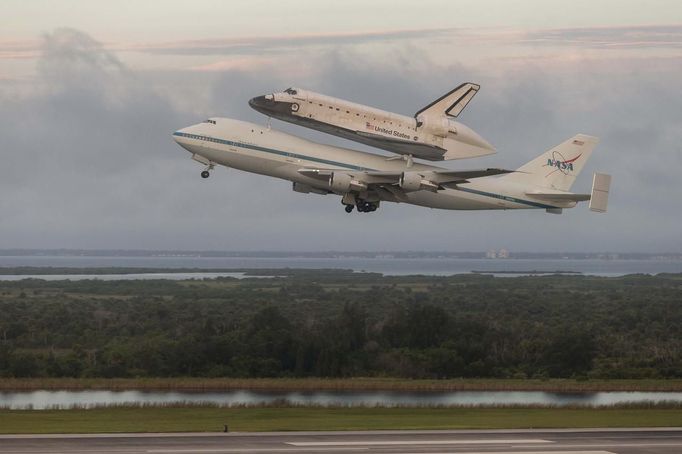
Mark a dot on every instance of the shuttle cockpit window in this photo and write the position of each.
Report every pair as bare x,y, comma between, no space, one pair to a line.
291,91
209,121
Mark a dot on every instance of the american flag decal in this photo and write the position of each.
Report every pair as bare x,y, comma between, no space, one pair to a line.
368,125
578,142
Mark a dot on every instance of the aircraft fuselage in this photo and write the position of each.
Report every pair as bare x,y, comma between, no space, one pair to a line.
257,149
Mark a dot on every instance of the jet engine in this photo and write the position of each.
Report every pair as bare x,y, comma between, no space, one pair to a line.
306,189
438,126
342,183
413,181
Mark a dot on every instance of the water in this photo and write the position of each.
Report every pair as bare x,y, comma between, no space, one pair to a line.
41,400
123,277
387,266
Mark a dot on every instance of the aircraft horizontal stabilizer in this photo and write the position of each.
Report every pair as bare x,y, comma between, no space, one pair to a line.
559,196
601,184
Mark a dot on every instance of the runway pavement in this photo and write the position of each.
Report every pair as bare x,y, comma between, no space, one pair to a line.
586,441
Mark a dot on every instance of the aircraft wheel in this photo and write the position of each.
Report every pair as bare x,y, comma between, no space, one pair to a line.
205,174
349,208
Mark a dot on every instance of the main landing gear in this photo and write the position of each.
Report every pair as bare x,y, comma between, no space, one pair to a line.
367,207
362,206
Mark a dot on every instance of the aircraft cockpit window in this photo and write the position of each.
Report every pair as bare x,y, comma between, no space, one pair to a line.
209,121
291,91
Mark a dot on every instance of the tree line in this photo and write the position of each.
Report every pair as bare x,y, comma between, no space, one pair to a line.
345,325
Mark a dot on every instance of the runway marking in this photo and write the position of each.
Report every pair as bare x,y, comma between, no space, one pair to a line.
487,441
228,450
520,452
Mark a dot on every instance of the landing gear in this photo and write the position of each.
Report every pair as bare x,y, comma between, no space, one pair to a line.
351,200
367,207
207,171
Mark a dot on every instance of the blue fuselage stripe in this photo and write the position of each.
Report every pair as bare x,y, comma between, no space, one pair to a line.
506,198
347,166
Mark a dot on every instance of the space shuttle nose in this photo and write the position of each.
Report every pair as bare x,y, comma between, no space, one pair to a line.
263,104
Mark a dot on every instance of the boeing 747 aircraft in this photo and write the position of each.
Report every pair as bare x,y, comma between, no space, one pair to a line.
432,133
364,180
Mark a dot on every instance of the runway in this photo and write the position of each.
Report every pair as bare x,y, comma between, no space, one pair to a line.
585,441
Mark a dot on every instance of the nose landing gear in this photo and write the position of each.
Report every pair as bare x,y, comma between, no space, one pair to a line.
349,208
207,171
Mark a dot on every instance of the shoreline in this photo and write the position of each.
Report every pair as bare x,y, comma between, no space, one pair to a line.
335,384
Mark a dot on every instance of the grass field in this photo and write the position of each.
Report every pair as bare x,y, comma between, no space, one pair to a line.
212,419
358,384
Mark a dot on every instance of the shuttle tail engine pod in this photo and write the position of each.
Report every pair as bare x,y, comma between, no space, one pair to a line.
438,125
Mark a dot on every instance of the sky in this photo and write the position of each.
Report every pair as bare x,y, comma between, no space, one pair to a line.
90,93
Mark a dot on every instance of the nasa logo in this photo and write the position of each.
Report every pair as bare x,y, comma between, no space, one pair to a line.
560,164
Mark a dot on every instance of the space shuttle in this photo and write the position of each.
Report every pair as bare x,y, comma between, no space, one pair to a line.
432,133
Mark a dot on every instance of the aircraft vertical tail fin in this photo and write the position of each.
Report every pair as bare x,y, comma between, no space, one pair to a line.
451,103
558,167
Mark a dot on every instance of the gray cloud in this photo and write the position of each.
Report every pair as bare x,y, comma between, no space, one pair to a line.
643,36
268,44
88,160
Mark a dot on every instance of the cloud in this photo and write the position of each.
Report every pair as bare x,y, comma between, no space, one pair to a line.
88,159
632,37
269,44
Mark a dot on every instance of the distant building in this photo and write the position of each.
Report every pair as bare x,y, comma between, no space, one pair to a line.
491,254
503,254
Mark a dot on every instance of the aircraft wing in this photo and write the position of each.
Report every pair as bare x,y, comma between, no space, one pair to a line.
384,178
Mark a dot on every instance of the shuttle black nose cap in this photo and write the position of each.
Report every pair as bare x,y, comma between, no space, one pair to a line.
261,103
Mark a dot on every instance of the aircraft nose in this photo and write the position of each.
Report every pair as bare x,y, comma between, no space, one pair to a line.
178,134
262,103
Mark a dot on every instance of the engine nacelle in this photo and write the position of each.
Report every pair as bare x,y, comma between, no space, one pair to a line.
436,125
342,182
413,181
306,189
